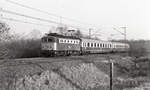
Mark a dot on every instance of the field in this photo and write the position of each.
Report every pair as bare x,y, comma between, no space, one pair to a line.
88,72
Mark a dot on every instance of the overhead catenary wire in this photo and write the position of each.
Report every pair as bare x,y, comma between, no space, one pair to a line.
36,18
51,14
118,31
21,21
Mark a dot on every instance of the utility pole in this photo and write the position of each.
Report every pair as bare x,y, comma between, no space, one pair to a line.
90,32
125,36
111,73
110,62
60,21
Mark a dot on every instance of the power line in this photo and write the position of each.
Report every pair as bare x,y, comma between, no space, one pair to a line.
27,16
118,31
35,18
16,20
35,9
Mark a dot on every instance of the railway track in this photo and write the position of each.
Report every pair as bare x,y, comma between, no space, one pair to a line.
40,60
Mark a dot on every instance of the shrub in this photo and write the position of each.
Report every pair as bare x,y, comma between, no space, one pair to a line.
86,76
23,48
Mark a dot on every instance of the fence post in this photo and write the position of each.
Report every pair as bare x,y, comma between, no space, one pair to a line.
111,73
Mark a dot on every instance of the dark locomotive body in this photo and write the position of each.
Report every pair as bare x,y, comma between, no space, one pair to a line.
54,44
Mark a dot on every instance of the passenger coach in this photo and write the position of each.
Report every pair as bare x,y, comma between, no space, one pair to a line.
55,44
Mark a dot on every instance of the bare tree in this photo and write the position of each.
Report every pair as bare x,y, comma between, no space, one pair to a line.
4,36
4,31
35,34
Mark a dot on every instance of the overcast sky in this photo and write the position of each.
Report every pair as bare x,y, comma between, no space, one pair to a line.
103,15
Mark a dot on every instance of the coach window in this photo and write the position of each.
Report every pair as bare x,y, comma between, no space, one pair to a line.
100,45
103,45
91,44
95,44
85,44
88,44
61,41
64,41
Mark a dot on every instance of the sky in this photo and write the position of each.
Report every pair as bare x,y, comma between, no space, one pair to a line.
102,16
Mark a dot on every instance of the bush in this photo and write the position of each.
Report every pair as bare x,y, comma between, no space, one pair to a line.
87,76
23,48
137,48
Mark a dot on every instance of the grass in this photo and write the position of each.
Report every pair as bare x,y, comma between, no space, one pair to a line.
19,70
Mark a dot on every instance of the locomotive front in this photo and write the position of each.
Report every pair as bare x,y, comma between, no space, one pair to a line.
48,45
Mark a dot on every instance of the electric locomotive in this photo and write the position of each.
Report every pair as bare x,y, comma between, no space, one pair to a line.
55,44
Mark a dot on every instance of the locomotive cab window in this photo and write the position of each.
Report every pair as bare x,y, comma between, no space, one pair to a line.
44,39
50,39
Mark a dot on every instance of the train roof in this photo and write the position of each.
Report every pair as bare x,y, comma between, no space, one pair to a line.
60,36
92,40
97,41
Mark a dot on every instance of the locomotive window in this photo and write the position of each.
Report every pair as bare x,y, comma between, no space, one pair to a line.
76,42
50,40
64,41
44,40
61,41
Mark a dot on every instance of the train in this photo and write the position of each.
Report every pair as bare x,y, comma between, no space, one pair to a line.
54,44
